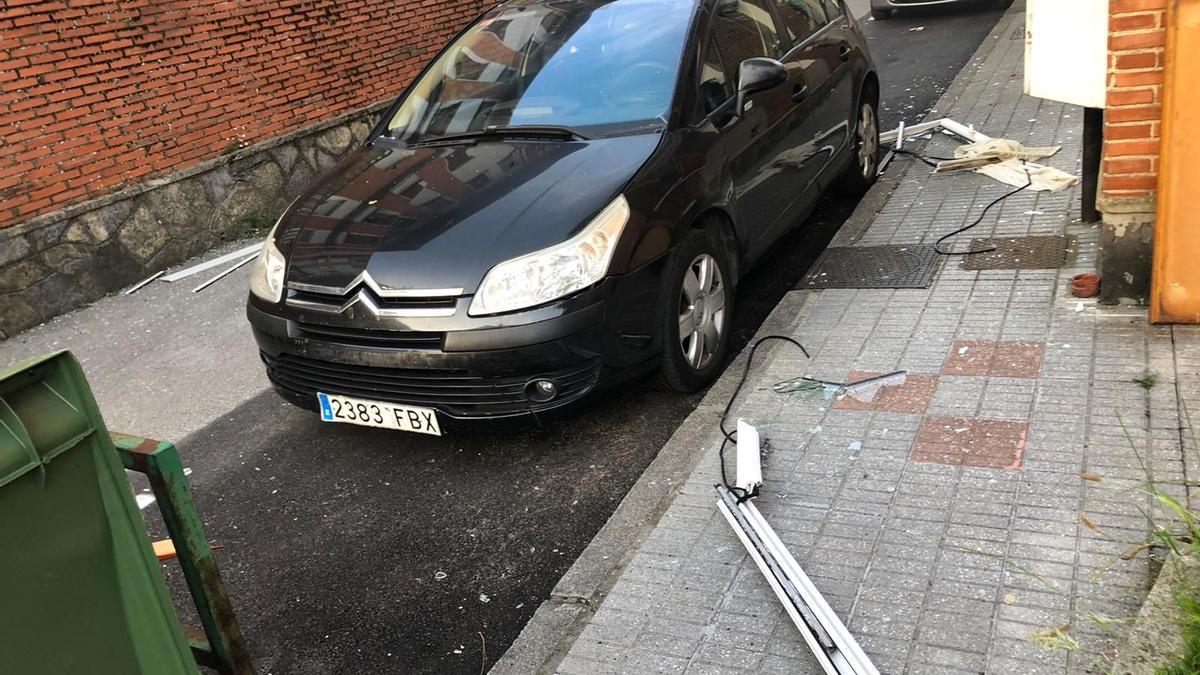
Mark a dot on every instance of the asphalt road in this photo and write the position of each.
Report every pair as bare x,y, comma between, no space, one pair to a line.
356,550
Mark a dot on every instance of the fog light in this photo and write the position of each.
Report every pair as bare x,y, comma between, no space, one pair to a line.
540,391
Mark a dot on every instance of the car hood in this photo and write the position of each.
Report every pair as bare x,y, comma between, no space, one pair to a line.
440,216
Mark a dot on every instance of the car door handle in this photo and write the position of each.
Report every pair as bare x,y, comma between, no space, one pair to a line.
844,51
799,92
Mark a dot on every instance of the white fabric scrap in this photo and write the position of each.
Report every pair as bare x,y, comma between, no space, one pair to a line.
1009,168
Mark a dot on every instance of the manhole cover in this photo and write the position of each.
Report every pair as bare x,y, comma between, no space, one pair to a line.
873,267
1018,253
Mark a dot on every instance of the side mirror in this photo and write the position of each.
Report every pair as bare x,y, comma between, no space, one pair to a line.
755,75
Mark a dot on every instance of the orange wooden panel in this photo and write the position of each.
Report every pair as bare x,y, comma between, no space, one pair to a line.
1175,290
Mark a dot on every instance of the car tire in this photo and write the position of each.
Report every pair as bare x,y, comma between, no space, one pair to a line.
881,13
688,301
864,166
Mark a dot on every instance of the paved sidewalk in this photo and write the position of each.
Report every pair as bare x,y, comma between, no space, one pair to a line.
945,522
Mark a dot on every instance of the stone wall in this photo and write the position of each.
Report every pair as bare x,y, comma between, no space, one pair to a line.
138,133
59,261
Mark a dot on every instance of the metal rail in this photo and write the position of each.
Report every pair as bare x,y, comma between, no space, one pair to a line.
834,647
831,643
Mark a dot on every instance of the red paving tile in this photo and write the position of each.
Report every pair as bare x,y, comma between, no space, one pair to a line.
1018,359
990,358
968,441
913,397
970,357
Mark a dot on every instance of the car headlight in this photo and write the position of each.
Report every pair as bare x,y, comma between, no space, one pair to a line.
553,272
266,277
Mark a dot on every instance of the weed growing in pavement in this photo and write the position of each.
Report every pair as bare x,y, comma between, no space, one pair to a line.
1054,639
1180,535
1146,381
1173,527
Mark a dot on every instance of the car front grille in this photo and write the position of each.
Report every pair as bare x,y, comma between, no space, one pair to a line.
454,392
400,306
371,338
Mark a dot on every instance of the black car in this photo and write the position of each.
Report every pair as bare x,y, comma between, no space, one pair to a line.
567,195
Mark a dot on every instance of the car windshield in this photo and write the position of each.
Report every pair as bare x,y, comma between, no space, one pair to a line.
598,66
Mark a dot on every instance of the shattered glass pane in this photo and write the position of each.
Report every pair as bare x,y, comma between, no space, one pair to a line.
812,389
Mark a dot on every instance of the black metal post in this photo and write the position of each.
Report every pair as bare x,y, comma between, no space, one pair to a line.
1093,141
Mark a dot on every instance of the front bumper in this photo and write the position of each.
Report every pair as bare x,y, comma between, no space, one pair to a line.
463,367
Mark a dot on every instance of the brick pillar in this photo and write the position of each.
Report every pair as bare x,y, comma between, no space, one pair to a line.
1129,169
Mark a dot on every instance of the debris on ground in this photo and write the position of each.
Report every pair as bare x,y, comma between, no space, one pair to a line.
833,645
999,158
1055,639
143,283
226,272
863,390
1009,162
215,262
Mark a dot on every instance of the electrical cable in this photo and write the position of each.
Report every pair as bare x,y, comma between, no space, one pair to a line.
928,160
739,493
937,245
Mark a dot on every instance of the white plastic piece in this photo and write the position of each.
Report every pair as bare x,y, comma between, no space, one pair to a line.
900,135
967,132
749,457
215,262
910,131
963,131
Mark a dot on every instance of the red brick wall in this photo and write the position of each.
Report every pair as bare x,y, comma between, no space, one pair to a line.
1132,119
101,94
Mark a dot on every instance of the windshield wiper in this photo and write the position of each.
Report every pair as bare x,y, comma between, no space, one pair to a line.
532,131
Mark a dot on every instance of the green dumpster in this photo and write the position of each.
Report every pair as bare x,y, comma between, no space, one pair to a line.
81,590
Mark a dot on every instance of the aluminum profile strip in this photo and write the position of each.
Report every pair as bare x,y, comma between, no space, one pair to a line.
904,131
225,273
215,262
830,641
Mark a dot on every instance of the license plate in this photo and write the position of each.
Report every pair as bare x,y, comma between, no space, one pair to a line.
378,414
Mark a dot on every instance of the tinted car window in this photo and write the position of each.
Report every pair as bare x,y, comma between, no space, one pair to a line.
744,29
801,18
714,85
571,64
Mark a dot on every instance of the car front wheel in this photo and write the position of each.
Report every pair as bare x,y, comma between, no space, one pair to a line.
698,308
864,167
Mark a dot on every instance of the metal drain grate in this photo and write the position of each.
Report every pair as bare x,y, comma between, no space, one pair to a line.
1018,253
873,267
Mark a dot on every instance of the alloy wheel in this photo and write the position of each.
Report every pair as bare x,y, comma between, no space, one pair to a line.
868,140
701,311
